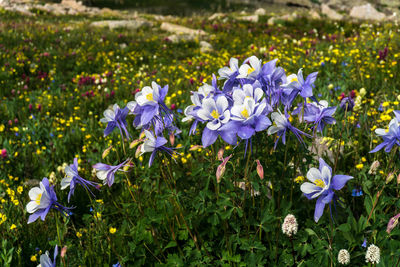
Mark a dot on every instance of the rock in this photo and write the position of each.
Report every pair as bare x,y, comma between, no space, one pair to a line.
129,24
330,13
366,12
72,4
299,3
287,17
252,18
20,9
389,3
178,29
260,12
314,14
205,47
177,38
345,5
216,16
108,12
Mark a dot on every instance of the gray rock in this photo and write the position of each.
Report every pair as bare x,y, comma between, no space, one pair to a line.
330,13
72,4
261,12
345,5
217,16
287,17
177,38
252,18
205,47
366,12
300,3
178,29
128,24
313,14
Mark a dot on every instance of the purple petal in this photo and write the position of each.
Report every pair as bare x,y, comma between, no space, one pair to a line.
338,181
209,137
378,147
245,132
319,209
148,113
33,217
110,127
262,123
322,163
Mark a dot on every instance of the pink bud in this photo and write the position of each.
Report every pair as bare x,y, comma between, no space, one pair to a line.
138,151
392,223
172,139
173,106
63,251
260,170
221,154
39,107
195,147
221,168
30,106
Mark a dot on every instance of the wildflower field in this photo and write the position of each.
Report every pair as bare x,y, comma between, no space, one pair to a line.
278,147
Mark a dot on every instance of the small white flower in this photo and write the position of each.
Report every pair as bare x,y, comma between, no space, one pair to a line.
289,226
373,254
344,257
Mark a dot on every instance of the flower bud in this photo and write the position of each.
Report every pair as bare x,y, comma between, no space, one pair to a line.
106,152
63,251
374,166
221,154
260,170
389,178
392,223
172,139
221,168
3,153
138,151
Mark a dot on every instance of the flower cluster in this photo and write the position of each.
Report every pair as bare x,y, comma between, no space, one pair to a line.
250,93
289,226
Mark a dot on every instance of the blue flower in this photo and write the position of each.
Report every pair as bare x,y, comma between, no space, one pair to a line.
153,144
116,117
43,198
45,260
318,114
356,192
295,85
390,137
106,172
72,178
281,126
322,186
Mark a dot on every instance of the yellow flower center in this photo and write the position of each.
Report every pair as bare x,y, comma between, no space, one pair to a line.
215,114
294,79
245,113
37,200
319,183
250,70
149,97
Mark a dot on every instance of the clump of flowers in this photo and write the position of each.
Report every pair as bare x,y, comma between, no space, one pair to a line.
45,260
344,257
251,92
289,226
373,254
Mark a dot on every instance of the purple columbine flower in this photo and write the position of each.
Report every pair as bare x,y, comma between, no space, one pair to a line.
149,103
230,73
347,103
43,198
295,84
317,113
249,112
216,113
45,260
72,178
322,186
116,117
106,172
390,137
281,126
153,144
